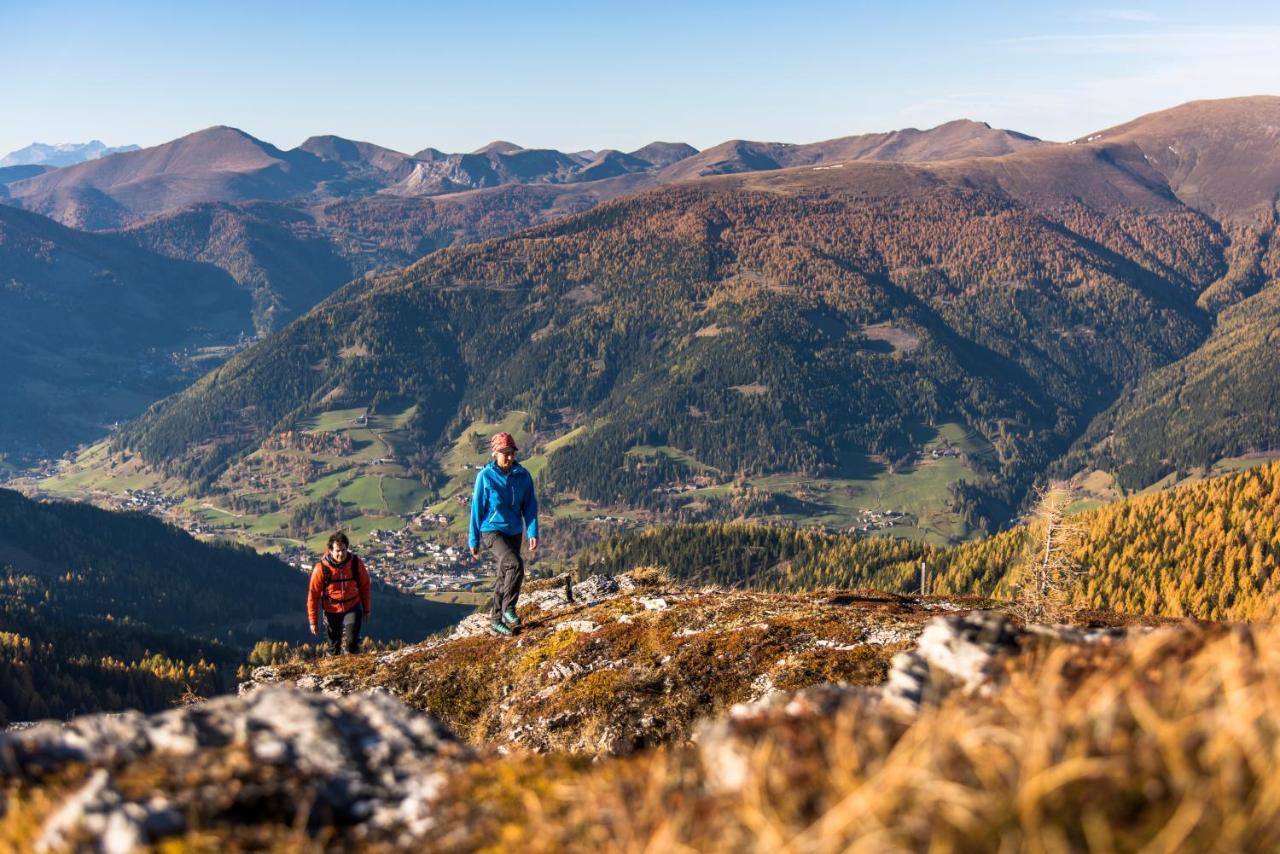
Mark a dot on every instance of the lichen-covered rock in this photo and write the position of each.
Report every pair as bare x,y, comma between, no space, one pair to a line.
98,817
965,653
359,760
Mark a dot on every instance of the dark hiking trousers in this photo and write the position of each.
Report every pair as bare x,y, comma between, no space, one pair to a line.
343,631
506,587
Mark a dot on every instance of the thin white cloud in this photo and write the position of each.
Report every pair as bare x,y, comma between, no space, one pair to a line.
1130,16
1257,41
1069,97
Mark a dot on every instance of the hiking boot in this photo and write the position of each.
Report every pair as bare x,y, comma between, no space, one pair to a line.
500,628
510,618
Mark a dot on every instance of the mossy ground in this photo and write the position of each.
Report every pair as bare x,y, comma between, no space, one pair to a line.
648,673
1164,742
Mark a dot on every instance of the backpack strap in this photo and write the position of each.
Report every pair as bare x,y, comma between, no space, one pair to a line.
327,574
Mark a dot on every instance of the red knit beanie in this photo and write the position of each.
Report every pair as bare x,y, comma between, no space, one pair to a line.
502,441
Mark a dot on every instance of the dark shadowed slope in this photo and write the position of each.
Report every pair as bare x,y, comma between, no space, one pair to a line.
95,328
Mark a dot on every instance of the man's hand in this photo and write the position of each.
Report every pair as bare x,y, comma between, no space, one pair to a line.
315,630
475,552
533,545
364,619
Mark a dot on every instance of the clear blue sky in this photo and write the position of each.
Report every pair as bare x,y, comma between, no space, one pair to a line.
594,75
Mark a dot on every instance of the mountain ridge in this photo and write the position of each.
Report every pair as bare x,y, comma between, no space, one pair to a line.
222,164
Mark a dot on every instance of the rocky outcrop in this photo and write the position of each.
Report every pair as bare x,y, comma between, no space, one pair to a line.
612,665
965,653
603,668
289,755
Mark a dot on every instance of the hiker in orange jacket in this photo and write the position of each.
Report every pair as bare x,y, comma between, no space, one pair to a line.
339,585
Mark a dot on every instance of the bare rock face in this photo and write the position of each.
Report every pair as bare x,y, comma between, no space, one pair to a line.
364,760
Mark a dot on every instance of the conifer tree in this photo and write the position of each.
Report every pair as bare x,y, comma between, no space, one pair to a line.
1050,571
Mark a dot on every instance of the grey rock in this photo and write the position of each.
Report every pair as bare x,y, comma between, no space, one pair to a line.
472,625
727,744
368,757
97,818
954,653
585,627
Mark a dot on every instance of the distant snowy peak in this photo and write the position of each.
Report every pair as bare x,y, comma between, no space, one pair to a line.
62,154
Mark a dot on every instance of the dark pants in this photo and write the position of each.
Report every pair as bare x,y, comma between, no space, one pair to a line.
506,587
343,631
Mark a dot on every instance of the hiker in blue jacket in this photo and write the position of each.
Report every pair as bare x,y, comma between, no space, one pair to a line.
503,509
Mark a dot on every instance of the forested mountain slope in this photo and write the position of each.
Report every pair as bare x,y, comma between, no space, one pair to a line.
96,328
758,323
1222,400
1209,549
118,610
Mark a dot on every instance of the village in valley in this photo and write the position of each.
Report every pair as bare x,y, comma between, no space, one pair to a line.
347,469
409,563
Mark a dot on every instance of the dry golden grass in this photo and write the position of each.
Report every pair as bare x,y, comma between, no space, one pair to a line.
1166,744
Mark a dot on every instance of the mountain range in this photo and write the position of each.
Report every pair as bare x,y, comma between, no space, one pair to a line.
758,307
222,164
62,154
289,227
809,323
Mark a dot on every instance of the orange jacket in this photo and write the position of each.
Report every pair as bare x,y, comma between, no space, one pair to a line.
348,585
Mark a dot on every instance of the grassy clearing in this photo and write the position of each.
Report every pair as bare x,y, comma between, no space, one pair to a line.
1227,465
333,421
403,495
920,489
365,493
649,452
96,469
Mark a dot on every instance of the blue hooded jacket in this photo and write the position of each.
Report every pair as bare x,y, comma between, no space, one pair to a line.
503,502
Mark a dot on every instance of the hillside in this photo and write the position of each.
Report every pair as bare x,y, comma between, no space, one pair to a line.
681,327
1208,550
976,710
1221,401
627,663
1217,156
290,256
118,610
275,252
98,328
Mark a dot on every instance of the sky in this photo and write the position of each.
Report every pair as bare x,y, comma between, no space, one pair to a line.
573,76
